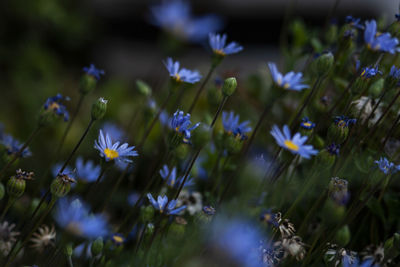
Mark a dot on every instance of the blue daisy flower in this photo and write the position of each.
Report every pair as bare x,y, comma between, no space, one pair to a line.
181,124
289,81
74,216
93,71
54,104
379,42
307,124
354,22
88,171
172,179
161,205
231,124
219,46
344,121
13,146
181,75
386,166
295,145
114,151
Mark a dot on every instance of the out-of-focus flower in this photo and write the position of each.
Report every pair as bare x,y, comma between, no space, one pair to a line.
375,41
43,238
55,105
181,75
88,171
338,191
176,18
354,22
74,216
93,71
343,121
333,149
294,247
114,131
290,81
192,200
339,256
231,124
171,178
295,145
55,170
8,237
161,205
386,166
13,146
375,254
218,45
114,151
269,217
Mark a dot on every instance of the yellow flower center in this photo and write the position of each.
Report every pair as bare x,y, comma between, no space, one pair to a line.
290,145
111,153
286,85
219,52
54,106
118,239
279,81
307,124
177,77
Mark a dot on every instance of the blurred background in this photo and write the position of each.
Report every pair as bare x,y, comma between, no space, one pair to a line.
45,43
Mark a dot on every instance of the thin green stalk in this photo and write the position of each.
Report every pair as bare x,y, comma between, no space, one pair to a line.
194,158
201,88
221,105
10,202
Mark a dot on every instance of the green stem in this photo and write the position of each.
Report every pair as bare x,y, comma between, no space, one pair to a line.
221,105
203,84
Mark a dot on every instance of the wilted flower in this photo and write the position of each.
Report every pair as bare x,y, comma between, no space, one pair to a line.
161,205
340,255
192,201
219,46
289,81
181,75
338,191
7,237
114,151
43,238
295,145
374,254
379,42
294,247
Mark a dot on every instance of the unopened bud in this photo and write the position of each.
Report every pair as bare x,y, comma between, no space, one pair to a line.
229,86
99,109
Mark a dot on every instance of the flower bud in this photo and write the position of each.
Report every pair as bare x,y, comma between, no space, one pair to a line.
143,88
323,64
61,185
68,250
16,184
233,144
343,235
229,86
337,134
201,136
87,84
97,246
2,191
99,109
146,213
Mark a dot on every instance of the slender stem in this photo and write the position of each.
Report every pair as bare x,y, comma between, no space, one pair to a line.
77,145
10,202
153,122
203,84
187,173
71,121
70,264
221,105
374,108
19,153
115,187
391,130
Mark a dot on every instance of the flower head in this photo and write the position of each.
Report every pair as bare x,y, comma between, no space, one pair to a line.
114,151
54,104
74,216
88,171
386,166
181,75
55,170
338,191
269,217
231,124
354,22
171,178
43,238
333,149
307,124
379,42
343,121
295,145
180,123
13,146
164,206
290,81
8,237
93,71
176,18
219,46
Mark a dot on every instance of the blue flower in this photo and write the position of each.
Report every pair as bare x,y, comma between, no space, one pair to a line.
88,171
161,205
379,42
54,104
93,71
55,170
232,126
239,239
175,17
209,210
172,180
13,146
367,72
386,166
344,121
219,46
269,217
114,131
333,149
74,216
307,124
347,262
181,124
289,81
181,75
133,198
354,22
110,151
295,145
395,72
